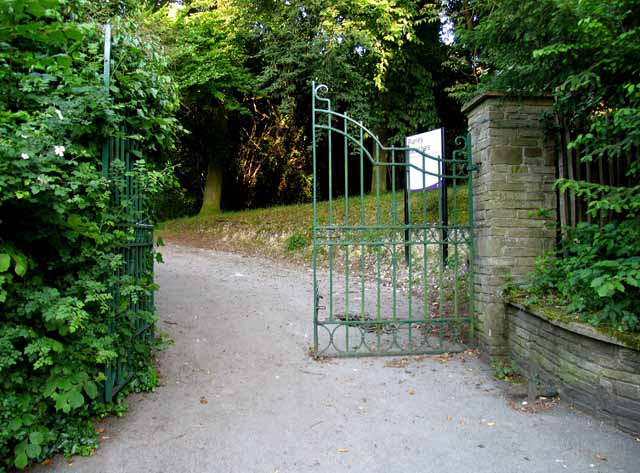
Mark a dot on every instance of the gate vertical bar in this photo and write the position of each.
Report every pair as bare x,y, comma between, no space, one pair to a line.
471,258
106,73
346,225
316,296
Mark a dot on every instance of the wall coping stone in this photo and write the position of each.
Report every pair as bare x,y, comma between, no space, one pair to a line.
574,327
495,94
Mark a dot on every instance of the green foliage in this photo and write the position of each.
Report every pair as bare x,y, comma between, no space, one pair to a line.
506,370
586,55
245,70
378,58
596,273
296,242
59,236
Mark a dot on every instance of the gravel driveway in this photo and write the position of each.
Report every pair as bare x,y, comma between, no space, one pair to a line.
240,394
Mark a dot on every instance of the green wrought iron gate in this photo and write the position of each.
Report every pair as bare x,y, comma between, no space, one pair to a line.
391,275
132,311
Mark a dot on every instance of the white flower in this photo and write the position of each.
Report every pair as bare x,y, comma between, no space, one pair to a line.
59,150
24,156
59,113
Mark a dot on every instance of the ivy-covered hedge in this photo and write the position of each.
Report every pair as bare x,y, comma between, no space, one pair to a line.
58,233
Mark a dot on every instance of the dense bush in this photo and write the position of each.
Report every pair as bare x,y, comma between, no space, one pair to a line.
59,238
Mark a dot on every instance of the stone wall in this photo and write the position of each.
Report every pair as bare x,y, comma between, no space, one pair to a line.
597,373
513,181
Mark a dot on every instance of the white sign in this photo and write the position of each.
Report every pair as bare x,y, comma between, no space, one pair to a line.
430,143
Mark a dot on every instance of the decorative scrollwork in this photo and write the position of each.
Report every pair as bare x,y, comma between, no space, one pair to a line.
320,89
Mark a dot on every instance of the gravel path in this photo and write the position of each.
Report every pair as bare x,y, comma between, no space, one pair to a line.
239,394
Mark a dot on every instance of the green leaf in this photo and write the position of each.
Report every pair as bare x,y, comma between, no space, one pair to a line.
91,389
21,265
605,290
20,448
33,450
76,399
21,460
15,424
5,262
36,438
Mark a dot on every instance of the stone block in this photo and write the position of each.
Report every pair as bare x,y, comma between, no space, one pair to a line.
627,390
532,152
505,155
533,130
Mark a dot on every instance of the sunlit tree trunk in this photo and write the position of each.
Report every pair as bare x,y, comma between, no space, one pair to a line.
383,157
212,190
218,157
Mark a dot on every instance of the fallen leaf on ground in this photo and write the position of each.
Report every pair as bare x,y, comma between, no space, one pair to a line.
601,458
442,359
343,450
412,392
449,418
100,430
203,401
491,424
397,363
48,462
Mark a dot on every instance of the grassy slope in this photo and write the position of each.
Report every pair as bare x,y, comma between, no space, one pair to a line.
285,232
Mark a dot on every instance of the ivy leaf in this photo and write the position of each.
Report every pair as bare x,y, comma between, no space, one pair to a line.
5,262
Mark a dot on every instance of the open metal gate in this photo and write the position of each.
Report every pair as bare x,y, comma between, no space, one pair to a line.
391,275
132,312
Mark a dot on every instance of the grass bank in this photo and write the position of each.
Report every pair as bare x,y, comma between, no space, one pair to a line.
286,232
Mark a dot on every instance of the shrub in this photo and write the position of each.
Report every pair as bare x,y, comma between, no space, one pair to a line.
596,274
59,235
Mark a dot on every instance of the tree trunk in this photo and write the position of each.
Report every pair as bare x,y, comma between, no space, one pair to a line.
212,190
383,157
218,156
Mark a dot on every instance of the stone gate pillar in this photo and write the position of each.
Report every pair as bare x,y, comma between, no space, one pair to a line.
514,180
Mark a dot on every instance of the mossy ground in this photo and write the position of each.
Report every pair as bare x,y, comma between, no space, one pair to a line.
560,312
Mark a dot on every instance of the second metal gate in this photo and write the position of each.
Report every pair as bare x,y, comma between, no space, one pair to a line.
132,312
391,275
